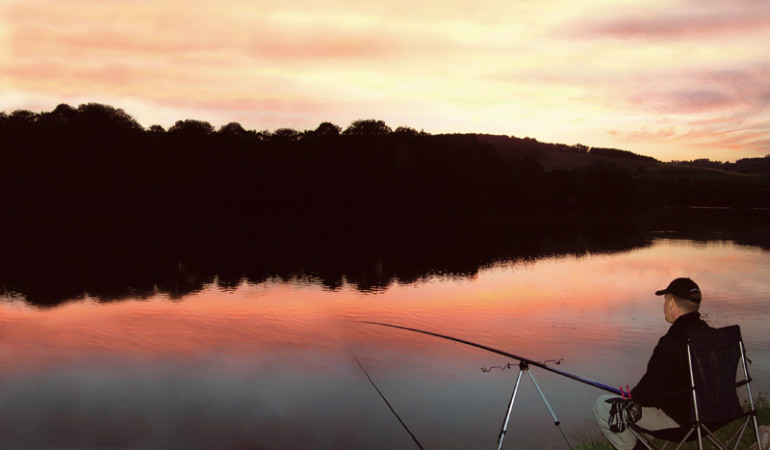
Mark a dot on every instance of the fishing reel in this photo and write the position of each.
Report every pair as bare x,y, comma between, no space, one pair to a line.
623,412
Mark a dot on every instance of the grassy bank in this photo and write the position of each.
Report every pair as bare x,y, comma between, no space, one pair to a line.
598,442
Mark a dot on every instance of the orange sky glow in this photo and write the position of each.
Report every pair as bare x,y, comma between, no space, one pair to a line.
679,79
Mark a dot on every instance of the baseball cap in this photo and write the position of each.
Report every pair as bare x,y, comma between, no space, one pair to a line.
684,288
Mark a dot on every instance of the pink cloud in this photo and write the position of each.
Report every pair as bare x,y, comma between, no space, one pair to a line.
697,18
756,139
721,114
684,101
713,140
173,32
742,90
644,134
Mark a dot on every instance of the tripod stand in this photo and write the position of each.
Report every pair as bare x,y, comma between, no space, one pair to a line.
524,367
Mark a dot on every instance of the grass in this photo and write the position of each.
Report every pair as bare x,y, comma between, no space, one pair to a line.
598,442
552,160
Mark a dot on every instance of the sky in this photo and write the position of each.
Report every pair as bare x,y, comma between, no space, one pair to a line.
672,79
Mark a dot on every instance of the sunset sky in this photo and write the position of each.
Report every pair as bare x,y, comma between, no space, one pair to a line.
672,79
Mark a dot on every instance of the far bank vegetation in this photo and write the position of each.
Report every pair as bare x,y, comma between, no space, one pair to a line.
96,159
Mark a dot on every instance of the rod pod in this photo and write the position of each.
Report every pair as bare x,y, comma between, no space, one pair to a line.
524,367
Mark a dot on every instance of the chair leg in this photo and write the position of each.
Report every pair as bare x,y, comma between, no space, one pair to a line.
645,440
713,439
738,435
681,443
748,389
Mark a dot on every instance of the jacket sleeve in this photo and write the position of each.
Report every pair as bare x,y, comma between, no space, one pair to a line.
656,381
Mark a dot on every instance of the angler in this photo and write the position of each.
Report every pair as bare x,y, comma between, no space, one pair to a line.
667,400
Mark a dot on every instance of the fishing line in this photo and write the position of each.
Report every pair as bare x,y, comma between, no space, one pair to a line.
414,438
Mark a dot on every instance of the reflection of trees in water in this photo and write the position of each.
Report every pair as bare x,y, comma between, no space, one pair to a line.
743,226
121,261
113,263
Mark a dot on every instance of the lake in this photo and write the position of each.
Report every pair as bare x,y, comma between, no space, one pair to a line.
273,364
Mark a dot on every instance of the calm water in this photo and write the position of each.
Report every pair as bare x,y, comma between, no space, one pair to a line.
271,365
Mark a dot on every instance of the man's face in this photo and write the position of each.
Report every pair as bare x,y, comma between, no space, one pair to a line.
668,308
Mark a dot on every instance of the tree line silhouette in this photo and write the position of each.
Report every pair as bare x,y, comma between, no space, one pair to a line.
94,202
744,165
96,159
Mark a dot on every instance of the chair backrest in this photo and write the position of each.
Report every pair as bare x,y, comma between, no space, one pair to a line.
714,357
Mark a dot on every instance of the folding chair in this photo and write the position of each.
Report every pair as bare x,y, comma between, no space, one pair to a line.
713,355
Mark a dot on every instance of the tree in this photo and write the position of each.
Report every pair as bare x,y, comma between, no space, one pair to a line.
60,124
286,135
104,117
22,116
191,127
233,129
406,131
64,112
327,129
368,127
581,148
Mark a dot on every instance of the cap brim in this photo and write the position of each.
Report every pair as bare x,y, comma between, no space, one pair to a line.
663,292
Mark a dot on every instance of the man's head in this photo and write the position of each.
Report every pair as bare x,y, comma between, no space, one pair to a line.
682,296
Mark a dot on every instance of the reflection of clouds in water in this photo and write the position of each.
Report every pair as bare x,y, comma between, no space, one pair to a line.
210,323
174,407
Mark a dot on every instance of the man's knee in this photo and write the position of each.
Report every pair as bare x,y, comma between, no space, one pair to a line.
602,406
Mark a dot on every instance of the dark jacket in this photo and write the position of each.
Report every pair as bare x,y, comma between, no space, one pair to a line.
666,384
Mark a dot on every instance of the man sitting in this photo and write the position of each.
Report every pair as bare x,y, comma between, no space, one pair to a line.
664,390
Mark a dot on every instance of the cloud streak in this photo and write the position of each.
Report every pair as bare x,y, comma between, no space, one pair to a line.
702,19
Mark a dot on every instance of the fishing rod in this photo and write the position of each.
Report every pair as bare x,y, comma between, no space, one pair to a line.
528,361
524,364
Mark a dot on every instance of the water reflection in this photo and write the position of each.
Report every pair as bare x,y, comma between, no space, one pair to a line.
268,365
371,255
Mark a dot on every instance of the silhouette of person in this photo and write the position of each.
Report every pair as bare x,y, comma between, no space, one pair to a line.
663,393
